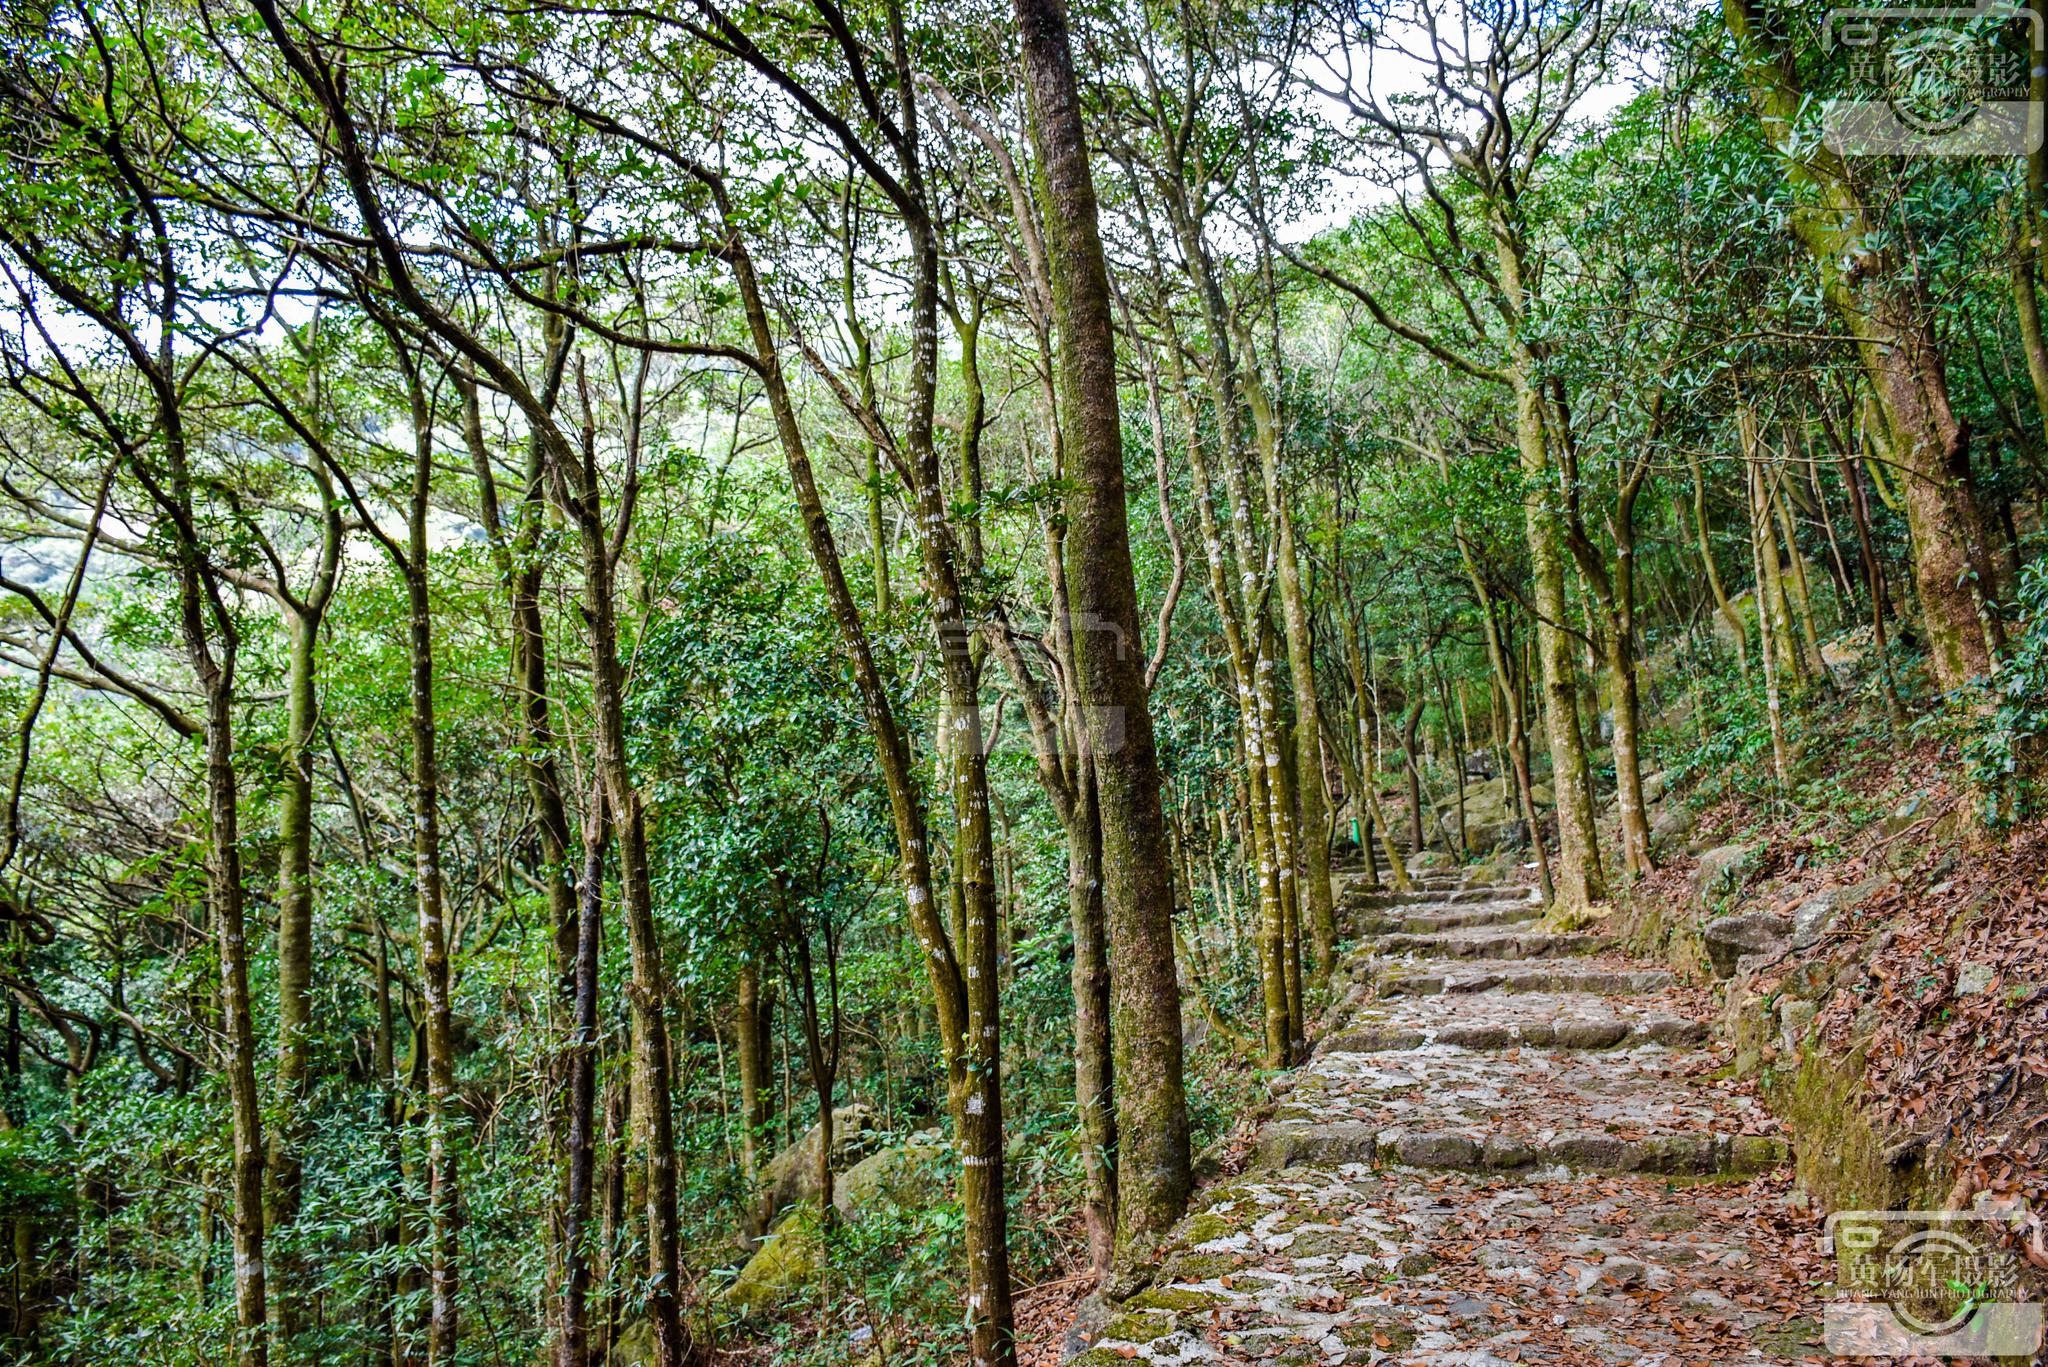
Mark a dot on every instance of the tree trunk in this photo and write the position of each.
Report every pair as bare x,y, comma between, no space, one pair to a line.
751,1033
1094,1062
573,1348
648,988
1882,303
1418,836
1770,640
224,895
1578,877
444,1205
967,1020
1316,904
1223,555
294,967
1722,604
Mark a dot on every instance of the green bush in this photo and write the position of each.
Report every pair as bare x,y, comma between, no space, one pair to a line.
2006,744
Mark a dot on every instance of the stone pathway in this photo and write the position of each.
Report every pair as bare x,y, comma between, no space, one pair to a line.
1508,1148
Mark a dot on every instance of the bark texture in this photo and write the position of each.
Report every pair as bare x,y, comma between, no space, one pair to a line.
1153,1159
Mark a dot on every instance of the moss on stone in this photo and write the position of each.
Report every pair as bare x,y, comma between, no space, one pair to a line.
1200,1229
1793,1338
1386,1335
1098,1357
1139,1328
1840,1156
1175,1298
787,1259
1201,1267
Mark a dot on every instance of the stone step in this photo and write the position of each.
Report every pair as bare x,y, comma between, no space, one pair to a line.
1325,1145
1460,896
1600,977
1491,942
1613,1032
1396,921
1493,1020
1358,1264
1442,1106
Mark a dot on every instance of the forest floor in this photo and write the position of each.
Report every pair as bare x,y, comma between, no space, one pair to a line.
1510,1146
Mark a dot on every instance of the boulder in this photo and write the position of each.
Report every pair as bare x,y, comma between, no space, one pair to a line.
792,1175
1816,916
791,1255
1669,828
1482,837
901,1177
1910,811
1655,786
1720,874
1847,653
1730,938
634,1346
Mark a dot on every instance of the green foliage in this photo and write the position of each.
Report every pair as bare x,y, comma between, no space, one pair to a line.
2007,738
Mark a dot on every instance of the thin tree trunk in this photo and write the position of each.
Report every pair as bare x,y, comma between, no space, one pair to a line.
444,1206
1578,877
1881,301
1222,554
573,1349
968,1026
1769,639
1094,1059
1722,604
224,894
294,967
754,1080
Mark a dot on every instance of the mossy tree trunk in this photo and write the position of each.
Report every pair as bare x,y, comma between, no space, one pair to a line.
1153,1158
1880,300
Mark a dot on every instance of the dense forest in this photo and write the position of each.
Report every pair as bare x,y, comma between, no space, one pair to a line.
699,681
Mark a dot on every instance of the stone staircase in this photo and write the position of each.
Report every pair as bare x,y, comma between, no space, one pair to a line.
1508,1147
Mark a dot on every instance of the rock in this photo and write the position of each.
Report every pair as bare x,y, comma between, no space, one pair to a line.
1655,785
1482,837
790,1255
1730,938
904,1177
1795,1019
1817,915
1904,815
1589,1034
1720,874
1615,1274
1326,1145
1974,978
1675,1031
1669,828
1754,1153
1846,653
792,1175
634,1346
1439,1150
1091,1317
